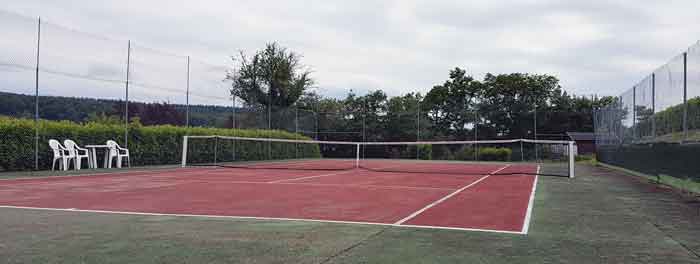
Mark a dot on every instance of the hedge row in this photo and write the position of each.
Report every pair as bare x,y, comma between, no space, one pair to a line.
148,145
429,152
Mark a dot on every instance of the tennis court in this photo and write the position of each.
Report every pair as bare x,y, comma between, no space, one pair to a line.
493,197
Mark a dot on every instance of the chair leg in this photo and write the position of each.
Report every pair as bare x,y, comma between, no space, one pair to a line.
53,164
119,161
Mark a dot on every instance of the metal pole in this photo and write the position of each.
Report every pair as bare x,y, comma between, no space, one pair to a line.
233,124
36,98
269,122
634,112
537,155
476,135
418,132
296,130
364,128
187,95
653,105
685,96
126,101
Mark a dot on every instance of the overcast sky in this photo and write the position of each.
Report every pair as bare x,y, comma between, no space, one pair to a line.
595,47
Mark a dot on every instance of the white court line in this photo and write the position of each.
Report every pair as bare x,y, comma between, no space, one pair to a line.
416,213
311,177
528,215
259,218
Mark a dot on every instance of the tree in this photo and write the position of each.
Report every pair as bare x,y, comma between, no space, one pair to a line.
402,117
273,76
451,106
509,101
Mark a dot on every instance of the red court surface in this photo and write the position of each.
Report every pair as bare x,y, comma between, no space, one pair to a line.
480,199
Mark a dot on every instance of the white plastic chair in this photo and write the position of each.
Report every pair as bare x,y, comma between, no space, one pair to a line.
59,154
77,153
115,151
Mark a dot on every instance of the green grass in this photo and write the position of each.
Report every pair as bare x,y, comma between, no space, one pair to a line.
601,216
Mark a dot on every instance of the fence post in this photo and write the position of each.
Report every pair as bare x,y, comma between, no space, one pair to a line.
537,154
653,105
476,135
634,113
187,95
296,130
418,132
126,96
36,97
233,124
685,96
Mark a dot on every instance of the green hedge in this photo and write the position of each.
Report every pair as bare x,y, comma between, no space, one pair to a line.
495,154
149,145
437,152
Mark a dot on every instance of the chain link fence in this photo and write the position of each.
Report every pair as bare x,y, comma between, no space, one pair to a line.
654,126
60,83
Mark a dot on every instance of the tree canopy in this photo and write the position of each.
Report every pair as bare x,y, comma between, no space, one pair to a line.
272,76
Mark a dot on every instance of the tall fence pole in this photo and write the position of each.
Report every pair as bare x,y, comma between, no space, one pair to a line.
269,122
476,135
685,96
534,118
36,97
233,124
296,130
418,132
187,95
634,112
126,96
653,105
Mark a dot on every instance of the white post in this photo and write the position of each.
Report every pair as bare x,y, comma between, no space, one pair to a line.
572,159
357,156
184,151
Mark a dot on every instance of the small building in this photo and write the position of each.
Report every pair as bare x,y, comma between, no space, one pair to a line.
585,141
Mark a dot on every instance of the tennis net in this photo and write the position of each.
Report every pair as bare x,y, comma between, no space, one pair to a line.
524,156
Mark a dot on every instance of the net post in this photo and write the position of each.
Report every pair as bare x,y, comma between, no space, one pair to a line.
357,155
572,158
184,151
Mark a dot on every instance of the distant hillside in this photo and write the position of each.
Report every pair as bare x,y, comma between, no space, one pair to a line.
84,109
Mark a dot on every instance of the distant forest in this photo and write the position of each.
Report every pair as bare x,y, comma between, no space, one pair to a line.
82,110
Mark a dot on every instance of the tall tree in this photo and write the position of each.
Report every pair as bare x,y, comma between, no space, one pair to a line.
272,76
451,106
509,102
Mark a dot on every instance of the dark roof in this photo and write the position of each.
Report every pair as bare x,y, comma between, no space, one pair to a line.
581,136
